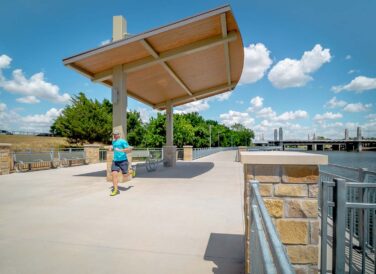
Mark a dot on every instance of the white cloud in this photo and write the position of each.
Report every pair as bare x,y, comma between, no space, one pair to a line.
357,107
348,57
221,97
3,107
327,116
4,62
146,114
266,113
292,115
195,106
358,84
34,86
257,102
371,117
334,103
28,100
43,119
105,42
256,63
240,102
235,117
296,73
351,71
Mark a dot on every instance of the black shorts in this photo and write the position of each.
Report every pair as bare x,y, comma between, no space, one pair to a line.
120,165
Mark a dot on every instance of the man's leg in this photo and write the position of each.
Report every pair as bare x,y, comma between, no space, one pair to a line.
115,183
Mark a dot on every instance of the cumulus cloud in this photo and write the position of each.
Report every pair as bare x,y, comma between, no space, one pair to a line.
195,106
292,115
348,57
327,116
221,97
28,100
105,42
334,103
256,103
256,63
235,117
35,86
357,107
296,73
358,84
266,113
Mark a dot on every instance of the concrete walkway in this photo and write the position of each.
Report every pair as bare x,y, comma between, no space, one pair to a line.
186,219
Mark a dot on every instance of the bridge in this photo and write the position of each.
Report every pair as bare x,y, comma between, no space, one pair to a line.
347,144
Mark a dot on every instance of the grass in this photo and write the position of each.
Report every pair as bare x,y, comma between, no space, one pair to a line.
35,143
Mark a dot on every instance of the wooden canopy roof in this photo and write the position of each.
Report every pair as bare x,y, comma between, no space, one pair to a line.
191,59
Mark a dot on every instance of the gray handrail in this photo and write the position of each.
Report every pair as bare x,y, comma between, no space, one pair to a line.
281,259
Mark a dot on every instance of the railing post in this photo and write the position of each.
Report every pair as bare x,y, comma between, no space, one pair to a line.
324,197
339,225
361,199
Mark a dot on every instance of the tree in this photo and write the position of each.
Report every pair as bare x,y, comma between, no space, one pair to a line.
84,120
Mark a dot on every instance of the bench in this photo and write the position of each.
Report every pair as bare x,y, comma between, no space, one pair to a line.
151,160
66,158
29,160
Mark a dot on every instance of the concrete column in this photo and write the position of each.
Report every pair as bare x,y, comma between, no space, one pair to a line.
188,153
359,147
110,157
169,150
5,158
119,101
290,193
358,133
92,153
169,125
314,147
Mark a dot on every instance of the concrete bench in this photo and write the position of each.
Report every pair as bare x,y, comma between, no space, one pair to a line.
66,158
30,160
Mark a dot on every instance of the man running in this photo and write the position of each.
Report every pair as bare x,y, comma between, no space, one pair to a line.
120,161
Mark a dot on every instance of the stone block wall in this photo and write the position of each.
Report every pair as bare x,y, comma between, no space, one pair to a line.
290,194
5,158
188,153
92,153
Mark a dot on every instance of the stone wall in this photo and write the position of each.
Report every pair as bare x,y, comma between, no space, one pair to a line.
291,196
5,158
188,153
92,153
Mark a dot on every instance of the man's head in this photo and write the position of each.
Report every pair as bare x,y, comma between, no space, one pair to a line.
116,134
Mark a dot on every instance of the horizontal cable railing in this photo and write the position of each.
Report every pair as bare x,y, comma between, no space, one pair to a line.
266,252
202,152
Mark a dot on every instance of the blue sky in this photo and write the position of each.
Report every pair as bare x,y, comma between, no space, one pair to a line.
310,65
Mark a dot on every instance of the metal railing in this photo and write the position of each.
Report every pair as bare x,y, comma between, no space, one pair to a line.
265,148
266,252
180,154
348,202
333,171
202,152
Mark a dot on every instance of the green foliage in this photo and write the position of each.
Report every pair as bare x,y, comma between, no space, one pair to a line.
85,120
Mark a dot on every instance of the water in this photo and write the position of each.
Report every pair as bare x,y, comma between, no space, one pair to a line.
350,159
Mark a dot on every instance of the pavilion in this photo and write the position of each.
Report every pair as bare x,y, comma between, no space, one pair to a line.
191,59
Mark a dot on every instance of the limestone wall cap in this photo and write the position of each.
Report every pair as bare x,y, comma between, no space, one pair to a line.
91,145
282,158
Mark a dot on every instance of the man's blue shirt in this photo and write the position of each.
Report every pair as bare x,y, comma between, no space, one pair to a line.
120,144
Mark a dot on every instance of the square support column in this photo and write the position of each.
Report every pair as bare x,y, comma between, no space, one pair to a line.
169,150
188,153
5,158
289,184
119,101
92,153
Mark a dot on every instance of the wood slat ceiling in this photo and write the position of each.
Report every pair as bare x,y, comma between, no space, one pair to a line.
188,76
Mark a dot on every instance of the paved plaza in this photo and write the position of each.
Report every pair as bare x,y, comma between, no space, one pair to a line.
186,219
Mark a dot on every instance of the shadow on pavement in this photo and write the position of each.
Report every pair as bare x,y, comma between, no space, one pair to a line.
227,252
101,173
181,170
